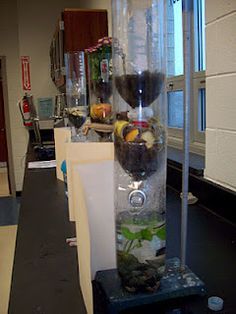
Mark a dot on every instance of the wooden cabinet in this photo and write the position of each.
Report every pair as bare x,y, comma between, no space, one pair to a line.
77,30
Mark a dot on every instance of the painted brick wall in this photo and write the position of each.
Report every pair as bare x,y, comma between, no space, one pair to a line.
221,92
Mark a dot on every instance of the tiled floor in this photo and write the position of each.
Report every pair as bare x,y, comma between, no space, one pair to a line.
7,249
4,186
9,212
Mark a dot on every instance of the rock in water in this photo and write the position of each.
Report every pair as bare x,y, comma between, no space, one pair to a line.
136,276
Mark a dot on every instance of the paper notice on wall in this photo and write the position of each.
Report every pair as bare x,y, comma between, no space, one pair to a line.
42,164
25,68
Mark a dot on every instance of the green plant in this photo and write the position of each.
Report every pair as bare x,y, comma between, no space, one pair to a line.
135,239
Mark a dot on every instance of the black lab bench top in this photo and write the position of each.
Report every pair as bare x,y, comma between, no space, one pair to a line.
45,275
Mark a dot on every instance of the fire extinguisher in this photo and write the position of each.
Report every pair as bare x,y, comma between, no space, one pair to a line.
25,111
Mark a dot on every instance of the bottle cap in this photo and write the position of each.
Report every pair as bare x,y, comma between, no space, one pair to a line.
215,303
63,166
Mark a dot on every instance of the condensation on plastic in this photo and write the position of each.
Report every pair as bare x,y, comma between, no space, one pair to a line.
139,130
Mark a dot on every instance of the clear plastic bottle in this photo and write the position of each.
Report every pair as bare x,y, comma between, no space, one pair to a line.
140,141
64,172
76,94
100,84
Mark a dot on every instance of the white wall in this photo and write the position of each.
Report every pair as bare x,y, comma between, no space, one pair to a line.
221,92
9,47
26,28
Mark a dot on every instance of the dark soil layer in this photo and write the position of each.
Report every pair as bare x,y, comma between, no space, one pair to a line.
77,121
140,89
136,159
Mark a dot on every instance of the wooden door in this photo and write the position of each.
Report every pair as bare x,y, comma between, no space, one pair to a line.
3,141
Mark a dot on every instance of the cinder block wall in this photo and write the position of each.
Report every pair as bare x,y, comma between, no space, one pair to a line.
221,92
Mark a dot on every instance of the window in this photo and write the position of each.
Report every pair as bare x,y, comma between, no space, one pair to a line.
175,109
201,109
175,65
199,38
175,73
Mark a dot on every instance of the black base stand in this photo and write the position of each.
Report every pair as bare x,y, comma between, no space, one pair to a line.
174,284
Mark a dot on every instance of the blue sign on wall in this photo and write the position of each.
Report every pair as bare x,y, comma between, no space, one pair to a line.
45,108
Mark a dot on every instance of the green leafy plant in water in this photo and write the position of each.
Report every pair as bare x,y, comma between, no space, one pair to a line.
94,64
135,239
